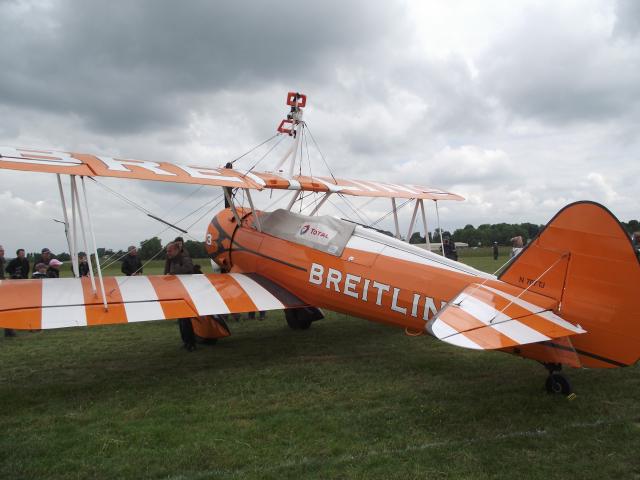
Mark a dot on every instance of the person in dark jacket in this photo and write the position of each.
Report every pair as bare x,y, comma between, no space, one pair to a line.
8,332
449,248
179,264
131,264
45,257
496,251
2,261
53,271
179,243
18,268
178,261
83,264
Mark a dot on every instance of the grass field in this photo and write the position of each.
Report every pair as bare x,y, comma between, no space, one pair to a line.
345,399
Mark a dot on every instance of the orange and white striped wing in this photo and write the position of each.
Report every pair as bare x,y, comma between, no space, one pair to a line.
74,163
70,302
485,318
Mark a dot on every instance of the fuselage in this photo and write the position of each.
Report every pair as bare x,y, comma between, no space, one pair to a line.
375,277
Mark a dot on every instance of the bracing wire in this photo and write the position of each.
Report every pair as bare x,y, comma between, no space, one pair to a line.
321,155
390,212
254,148
265,155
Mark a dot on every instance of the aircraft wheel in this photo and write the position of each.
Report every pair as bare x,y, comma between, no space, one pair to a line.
557,383
296,321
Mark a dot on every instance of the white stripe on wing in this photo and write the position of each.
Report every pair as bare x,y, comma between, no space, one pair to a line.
63,303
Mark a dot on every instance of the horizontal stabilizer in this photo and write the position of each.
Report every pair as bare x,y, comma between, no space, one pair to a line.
71,302
483,317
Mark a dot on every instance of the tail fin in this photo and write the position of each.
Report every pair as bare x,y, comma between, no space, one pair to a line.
584,259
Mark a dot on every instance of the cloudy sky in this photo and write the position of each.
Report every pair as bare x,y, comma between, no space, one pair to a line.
521,107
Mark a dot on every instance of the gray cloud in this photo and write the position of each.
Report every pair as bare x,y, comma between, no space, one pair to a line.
552,67
143,65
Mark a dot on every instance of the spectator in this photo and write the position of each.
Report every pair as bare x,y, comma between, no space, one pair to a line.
635,239
517,243
131,264
83,264
8,332
18,268
45,257
179,243
53,271
180,264
2,261
496,252
39,271
449,248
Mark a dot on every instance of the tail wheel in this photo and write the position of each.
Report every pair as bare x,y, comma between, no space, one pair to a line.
557,383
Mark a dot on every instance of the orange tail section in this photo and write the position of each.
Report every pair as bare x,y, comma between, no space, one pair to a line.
584,260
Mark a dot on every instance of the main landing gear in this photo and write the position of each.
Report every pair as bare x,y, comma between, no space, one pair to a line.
557,382
301,318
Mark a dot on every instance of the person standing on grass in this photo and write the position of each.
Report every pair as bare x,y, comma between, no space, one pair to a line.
517,244
18,268
496,252
83,265
131,264
2,262
179,243
8,332
179,264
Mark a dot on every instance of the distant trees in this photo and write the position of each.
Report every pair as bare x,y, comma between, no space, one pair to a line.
417,238
502,233
631,226
150,248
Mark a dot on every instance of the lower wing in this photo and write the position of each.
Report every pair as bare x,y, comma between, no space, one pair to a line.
71,302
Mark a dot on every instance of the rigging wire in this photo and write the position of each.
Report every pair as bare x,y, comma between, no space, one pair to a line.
321,155
264,156
390,212
254,148
306,142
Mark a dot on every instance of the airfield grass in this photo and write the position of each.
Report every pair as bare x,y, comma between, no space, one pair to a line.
345,399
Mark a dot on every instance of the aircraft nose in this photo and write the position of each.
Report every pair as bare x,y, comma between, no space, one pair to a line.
218,237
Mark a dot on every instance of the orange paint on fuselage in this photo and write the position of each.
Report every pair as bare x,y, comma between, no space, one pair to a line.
375,285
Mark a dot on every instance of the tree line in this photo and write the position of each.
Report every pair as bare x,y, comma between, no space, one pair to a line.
502,233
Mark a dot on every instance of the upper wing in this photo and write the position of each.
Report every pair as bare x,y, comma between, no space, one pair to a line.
485,318
70,302
103,166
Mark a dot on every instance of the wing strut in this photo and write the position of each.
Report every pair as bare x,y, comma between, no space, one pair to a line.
71,233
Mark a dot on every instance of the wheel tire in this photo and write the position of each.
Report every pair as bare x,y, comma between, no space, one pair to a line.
558,384
296,321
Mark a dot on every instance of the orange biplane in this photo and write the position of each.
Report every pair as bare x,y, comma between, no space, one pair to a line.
567,299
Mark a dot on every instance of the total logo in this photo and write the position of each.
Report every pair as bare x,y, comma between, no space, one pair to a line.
315,233
309,230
